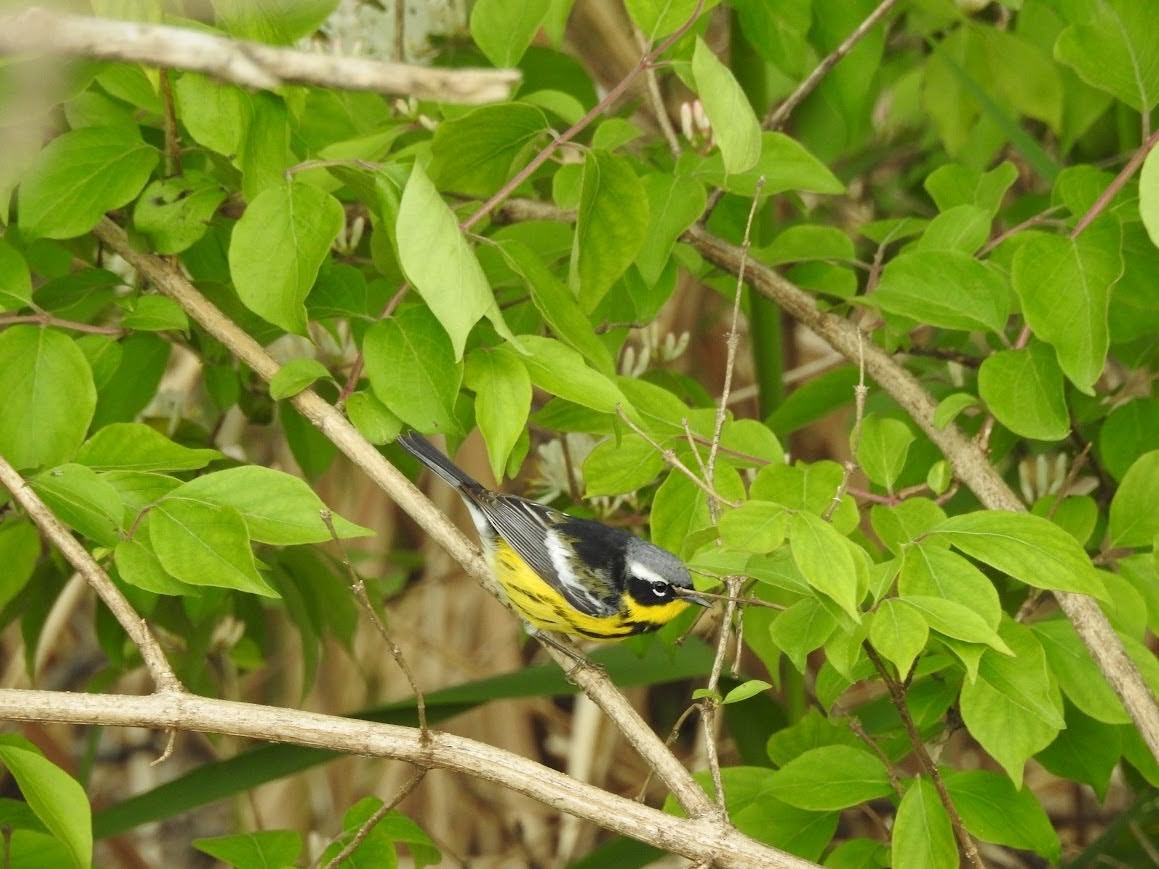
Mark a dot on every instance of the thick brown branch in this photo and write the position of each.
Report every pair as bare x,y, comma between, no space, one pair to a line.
250,64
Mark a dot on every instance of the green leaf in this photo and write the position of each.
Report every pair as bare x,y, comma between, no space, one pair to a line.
452,282
257,850
215,114
1013,708
561,371
372,418
830,778
1078,675
1087,752
800,629
657,18
1131,430
735,128
1065,287
882,449
202,544
138,565
58,800
674,204
503,30
906,521
1024,391
962,228
19,552
1029,548
413,369
278,246
934,571
956,620
806,242
1110,49
611,225
79,176
617,468
155,314
899,633
680,508
15,280
825,561
922,835
49,396
133,446
1148,195
807,487
82,501
954,184
952,405
175,212
276,507
757,526
1134,519
943,288
275,21
295,376
477,153
994,811
745,690
784,163
502,389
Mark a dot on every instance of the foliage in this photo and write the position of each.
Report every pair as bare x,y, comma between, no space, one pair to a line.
942,188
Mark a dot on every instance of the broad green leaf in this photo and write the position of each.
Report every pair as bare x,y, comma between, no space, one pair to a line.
1078,675
81,500
821,553
1149,195
1013,708
128,390
154,314
943,288
680,508
15,280
19,552
265,153
922,835
1029,548
962,228
806,242
277,508
1086,752
203,544
994,811
899,633
813,400
504,30
138,565
1134,517
657,18
800,629
807,487
278,246
57,799
617,468
674,204
757,526
735,128
175,212
477,153
1065,287
933,571
939,477
79,176
451,283
1024,391
49,396
746,690
558,369
784,163
215,114
413,369
1110,48
611,225
372,418
139,490
858,853
904,522
502,390
953,185
133,446
952,405
882,449
280,22
830,778
1129,431
813,730
955,620
295,376
257,850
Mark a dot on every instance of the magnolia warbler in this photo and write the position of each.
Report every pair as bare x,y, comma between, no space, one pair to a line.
574,576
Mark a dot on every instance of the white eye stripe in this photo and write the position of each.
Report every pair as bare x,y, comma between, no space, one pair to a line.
646,573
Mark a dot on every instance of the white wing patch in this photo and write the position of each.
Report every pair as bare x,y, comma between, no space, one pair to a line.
561,560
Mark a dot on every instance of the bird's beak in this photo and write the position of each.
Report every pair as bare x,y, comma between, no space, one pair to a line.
693,597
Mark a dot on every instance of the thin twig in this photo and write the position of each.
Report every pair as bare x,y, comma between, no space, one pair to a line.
854,725
358,586
164,679
172,141
672,734
652,85
250,64
1034,220
897,696
381,812
860,392
49,320
692,443
360,361
1117,184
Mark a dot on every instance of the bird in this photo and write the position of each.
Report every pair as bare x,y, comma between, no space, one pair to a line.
565,574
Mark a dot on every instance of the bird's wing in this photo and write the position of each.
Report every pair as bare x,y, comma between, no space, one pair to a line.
530,529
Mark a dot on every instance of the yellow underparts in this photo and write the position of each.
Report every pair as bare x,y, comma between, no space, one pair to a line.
544,607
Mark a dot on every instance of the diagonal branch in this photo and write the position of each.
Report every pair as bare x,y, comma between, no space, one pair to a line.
695,838
164,678
327,419
250,64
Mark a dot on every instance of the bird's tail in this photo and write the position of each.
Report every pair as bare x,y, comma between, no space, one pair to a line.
433,458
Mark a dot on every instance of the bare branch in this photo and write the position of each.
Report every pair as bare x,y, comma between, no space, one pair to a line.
250,64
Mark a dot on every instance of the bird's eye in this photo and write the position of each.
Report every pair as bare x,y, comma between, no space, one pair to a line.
660,588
